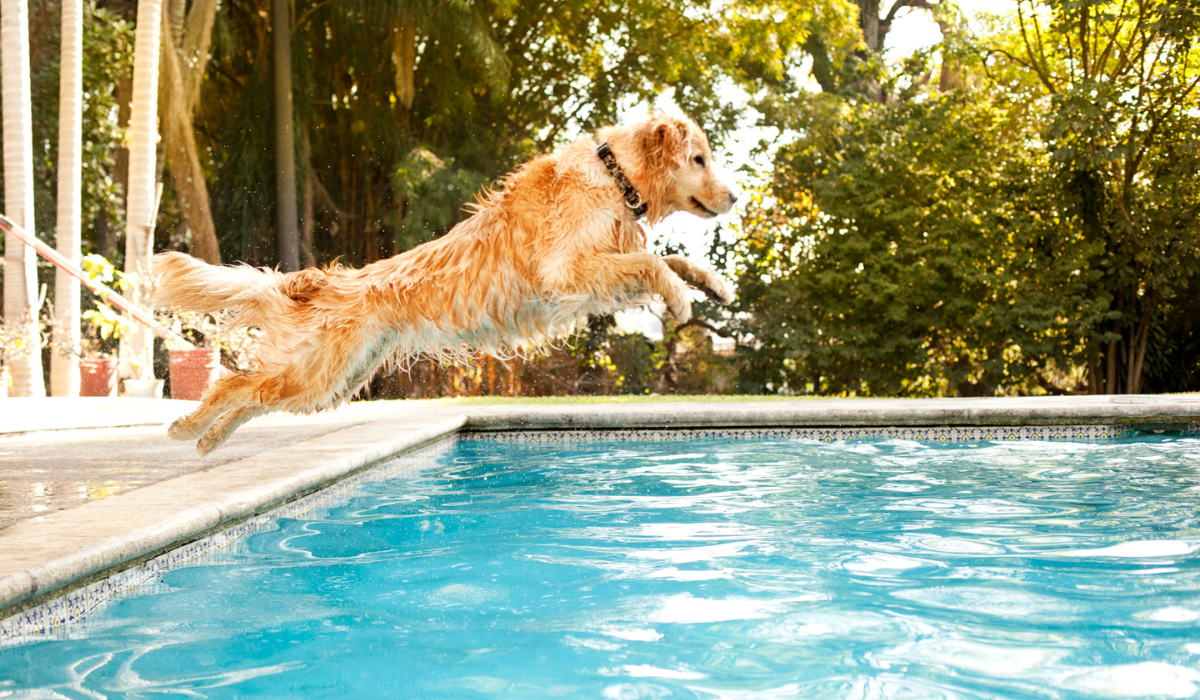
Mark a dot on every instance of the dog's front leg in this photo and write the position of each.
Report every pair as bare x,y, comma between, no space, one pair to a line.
700,277
611,274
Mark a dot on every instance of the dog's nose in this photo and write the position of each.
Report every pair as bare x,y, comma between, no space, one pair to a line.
732,198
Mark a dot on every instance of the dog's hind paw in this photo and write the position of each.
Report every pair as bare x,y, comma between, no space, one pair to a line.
211,441
181,429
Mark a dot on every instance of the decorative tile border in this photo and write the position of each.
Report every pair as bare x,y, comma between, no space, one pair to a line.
932,434
65,616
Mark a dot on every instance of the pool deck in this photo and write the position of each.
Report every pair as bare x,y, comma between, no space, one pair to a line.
89,486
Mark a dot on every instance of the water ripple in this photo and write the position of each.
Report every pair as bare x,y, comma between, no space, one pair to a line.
711,569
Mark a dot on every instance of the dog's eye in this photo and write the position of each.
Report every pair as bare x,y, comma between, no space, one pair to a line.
699,160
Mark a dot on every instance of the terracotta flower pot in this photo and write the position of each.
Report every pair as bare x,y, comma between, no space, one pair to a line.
192,371
98,376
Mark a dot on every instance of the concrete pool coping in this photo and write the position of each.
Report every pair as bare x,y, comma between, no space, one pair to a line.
40,559
23,415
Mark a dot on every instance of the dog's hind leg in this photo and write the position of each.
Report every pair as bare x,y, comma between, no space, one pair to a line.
224,426
227,393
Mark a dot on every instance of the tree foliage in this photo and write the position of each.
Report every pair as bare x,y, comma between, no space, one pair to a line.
999,237
1011,211
387,166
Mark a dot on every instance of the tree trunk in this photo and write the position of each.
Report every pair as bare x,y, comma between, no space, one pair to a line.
309,223
285,138
175,16
20,262
197,37
182,153
1110,374
1137,355
868,21
952,74
184,59
404,55
138,344
121,155
64,362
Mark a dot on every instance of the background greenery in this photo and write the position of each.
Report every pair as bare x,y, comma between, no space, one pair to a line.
1012,211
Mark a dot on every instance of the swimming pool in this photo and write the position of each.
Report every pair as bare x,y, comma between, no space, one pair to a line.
706,568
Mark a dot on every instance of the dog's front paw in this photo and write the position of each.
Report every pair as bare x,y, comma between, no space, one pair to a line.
682,313
716,288
679,303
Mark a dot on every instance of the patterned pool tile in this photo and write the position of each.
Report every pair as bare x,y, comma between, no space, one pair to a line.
933,434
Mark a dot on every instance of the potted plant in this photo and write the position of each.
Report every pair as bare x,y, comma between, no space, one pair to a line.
217,341
192,370
12,347
103,328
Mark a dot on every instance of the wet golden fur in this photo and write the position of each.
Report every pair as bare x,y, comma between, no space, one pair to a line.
556,243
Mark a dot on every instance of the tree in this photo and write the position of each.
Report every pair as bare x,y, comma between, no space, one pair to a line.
20,262
141,195
908,254
285,137
1121,81
1030,229
187,37
857,67
64,364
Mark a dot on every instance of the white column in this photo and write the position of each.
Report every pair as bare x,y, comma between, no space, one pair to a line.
138,345
64,367
20,262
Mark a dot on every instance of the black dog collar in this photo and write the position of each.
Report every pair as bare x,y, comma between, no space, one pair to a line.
632,199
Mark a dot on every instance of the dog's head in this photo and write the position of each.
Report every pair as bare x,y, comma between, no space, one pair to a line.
675,171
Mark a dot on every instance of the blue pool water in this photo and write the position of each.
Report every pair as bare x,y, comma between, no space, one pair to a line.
704,569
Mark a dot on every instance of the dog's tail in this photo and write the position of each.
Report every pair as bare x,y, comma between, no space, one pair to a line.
181,281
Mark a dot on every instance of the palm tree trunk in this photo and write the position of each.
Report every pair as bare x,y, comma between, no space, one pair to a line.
138,345
64,362
20,262
285,138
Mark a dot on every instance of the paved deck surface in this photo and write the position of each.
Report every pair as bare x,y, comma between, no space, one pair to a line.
76,502
49,470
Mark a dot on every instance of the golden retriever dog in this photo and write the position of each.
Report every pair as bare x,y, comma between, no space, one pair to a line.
558,241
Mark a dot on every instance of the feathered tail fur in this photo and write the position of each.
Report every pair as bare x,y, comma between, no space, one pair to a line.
181,281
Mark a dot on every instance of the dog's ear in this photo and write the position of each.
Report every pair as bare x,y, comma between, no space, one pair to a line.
666,142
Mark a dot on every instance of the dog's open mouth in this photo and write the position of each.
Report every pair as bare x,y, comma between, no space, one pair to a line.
704,211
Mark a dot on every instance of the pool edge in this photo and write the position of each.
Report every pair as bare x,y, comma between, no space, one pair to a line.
341,455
